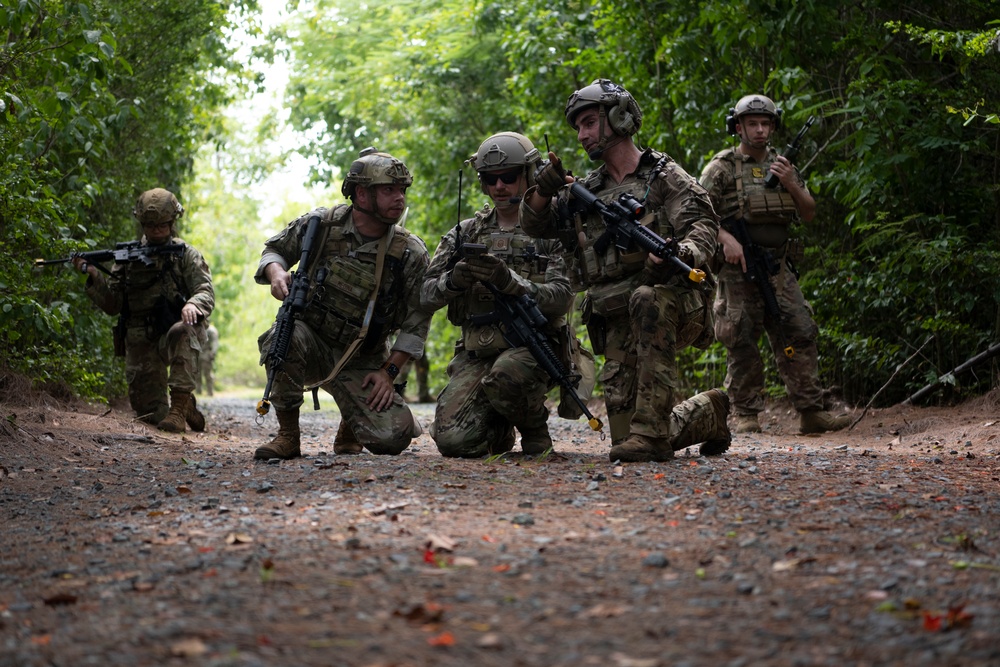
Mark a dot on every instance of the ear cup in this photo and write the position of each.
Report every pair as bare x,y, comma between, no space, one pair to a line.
620,119
731,122
777,117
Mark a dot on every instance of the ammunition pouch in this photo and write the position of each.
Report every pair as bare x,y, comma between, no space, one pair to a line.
597,326
769,215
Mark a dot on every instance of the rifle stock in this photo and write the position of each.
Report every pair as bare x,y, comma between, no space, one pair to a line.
284,323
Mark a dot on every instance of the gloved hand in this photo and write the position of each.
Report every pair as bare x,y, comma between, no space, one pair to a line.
461,276
490,269
551,176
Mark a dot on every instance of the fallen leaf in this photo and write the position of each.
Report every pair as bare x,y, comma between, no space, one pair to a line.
443,639
238,538
437,542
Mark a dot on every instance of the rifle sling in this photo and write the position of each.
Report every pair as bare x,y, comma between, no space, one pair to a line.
383,247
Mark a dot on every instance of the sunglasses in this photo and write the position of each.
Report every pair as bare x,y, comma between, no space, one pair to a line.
508,177
155,225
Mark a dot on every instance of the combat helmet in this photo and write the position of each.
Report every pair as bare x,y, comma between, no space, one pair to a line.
623,112
504,151
753,104
375,168
157,205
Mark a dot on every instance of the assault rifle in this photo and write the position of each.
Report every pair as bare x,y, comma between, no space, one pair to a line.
791,150
761,265
622,219
522,325
291,307
126,252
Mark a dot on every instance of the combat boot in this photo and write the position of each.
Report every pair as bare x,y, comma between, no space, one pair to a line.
536,439
819,421
642,448
706,423
193,416
505,444
180,402
285,444
345,441
747,424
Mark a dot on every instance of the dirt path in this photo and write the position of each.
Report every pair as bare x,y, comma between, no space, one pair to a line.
122,545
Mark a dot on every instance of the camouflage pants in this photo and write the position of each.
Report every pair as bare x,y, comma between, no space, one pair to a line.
310,359
485,398
739,323
206,376
151,366
640,370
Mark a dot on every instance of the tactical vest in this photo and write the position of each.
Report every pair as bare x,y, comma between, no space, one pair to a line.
768,212
612,264
153,295
342,282
519,252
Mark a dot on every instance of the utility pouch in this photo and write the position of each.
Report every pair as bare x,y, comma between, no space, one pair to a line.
165,314
596,326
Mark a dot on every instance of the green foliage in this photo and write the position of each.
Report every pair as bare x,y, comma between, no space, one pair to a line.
101,101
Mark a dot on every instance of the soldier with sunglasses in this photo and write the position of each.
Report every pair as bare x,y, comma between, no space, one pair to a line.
493,388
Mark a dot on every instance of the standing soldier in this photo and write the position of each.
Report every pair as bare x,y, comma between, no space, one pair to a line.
493,388
363,262
639,310
162,309
735,179
208,354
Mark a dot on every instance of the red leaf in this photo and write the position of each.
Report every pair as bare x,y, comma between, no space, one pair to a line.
931,623
443,639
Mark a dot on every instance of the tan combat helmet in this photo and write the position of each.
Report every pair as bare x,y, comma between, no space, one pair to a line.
157,205
752,104
622,111
375,168
504,151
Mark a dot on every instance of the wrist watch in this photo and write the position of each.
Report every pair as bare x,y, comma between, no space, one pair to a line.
391,369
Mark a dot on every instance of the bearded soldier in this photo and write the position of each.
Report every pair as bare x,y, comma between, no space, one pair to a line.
639,310
365,274
492,387
735,179
162,307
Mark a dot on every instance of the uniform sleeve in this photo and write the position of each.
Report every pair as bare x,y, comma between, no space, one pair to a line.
434,293
417,319
198,281
106,294
539,224
686,213
285,247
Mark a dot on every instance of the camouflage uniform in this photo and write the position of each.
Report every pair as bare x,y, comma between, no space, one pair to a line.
637,316
342,278
491,387
210,348
138,292
739,306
